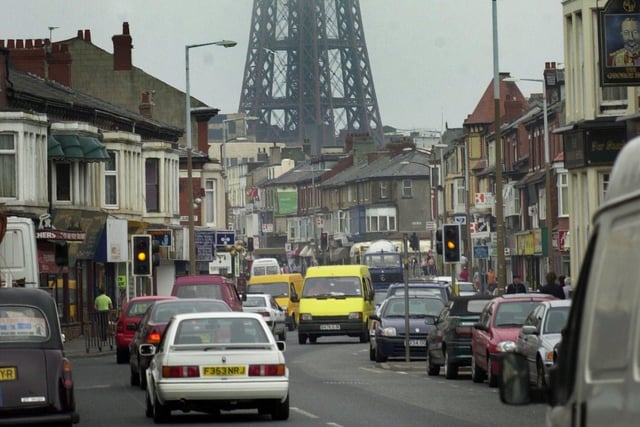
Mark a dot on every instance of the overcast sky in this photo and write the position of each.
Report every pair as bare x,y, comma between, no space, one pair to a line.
431,60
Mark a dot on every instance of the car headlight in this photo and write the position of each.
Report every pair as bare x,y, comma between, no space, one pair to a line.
388,332
506,346
306,316
355,315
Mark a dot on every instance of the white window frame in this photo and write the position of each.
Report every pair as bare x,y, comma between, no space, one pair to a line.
210,201
10,152
563,194
407,186
111,176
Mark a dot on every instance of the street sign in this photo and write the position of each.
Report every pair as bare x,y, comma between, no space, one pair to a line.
481,252
460,219
221,261
224,238
431,225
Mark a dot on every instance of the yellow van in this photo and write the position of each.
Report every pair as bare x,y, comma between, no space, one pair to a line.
336,300
285,288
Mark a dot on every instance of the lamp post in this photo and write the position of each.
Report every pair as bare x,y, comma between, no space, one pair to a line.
547,168
187,125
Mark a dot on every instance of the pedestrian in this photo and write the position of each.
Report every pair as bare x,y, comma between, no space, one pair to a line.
424,265
103,306
551,287
491,278
517,287
567,288
464,274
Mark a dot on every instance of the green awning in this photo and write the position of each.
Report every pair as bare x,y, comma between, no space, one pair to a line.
93,149
71,147
76,147
54,149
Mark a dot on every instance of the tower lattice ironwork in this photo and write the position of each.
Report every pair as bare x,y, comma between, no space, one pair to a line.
307,75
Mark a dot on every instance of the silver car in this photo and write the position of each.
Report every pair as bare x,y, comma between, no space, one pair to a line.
539,335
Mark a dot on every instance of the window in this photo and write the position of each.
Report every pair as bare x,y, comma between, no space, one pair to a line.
111,180
381,219
152,185
563,194
603,184
210,201
7,165
406,188
62,182
384,190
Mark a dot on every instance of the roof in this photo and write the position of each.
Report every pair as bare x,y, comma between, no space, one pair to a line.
483,113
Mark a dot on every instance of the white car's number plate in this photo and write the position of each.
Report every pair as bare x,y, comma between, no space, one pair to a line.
329,327
417,343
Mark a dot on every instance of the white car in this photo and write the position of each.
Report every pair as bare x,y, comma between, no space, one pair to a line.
267,306
208,362
539,335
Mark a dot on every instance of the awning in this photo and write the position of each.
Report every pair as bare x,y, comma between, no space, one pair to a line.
76,147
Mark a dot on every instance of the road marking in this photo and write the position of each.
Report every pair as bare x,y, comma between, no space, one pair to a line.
94,387
374,370
305,413
334,424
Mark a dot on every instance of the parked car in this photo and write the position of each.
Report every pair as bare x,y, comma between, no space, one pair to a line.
36,381
422,287
209,362
449,340
130,315
208,286
389,337
538,337
273,314
153,324
497,331
466,288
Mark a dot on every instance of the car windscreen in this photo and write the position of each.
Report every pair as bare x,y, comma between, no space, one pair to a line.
466,287
513,313
556,320
382,260
138,308
332,286
418,291
418,307
202,290
23,324
279,289
164,312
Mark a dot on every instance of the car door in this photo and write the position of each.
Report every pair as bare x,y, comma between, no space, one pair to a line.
528,344
480,337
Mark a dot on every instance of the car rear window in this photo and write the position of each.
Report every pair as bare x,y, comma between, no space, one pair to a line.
138,308
468,307
205,290
23,324
164,312
513,313
254,302
279,289
220,331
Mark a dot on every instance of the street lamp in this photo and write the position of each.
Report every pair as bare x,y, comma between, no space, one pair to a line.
547,166
187,124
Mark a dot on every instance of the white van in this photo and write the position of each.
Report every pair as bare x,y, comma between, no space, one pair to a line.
18,253
264,266
596,379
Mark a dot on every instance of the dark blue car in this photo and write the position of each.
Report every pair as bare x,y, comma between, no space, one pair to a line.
389,335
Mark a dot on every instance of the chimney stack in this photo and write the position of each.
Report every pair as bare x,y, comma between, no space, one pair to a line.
122,45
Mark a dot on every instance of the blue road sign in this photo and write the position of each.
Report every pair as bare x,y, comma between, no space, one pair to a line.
225,238
481,252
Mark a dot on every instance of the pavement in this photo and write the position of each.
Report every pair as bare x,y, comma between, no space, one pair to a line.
84,346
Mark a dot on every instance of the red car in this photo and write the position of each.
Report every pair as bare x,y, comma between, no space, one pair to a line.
497,332
130,316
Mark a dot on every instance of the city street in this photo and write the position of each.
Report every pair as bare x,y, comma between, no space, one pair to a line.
332,383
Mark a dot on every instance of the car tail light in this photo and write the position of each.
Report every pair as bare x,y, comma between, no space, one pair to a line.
463,330
180,371
267,370
67,380
153,337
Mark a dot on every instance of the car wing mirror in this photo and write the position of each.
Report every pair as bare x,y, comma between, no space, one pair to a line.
147,349
479,326
281,345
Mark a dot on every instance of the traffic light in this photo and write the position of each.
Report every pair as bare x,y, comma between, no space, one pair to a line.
141,244
324,242
250,244
414,242
439,241
451,243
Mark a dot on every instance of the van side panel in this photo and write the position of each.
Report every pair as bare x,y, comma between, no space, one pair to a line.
329,314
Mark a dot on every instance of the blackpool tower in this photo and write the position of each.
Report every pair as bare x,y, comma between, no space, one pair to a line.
307,75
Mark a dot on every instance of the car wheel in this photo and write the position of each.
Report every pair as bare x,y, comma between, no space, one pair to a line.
313,339
372,352
380,358
492,378
292,324
148,407
450,368
541,382
432,369
365,337
134,379
477,374
302,338
161,412
122,355
280,410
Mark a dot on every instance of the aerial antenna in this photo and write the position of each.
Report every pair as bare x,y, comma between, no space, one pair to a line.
51,33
